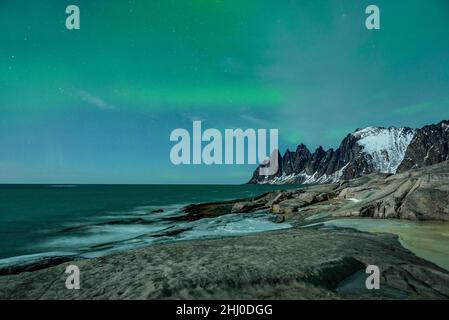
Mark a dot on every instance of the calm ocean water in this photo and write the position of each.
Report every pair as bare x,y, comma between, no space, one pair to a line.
91,220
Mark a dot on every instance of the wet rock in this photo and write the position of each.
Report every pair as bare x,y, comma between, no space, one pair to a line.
206,210
248,206
277,218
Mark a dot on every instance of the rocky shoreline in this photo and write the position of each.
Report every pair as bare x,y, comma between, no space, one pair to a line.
289,264
298,263
421,194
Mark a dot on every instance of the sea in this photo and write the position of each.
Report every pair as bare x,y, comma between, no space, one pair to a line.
44,221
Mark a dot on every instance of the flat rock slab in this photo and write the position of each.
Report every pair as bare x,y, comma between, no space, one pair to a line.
287,264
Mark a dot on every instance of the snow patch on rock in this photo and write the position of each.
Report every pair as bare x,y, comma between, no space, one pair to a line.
385,147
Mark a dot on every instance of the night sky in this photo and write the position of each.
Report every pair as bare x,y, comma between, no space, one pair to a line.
97,105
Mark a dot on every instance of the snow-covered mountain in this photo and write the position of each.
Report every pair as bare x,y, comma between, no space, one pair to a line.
372,149
384,148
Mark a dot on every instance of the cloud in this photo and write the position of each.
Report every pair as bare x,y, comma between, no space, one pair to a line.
94,100
192,117
435,106
255,120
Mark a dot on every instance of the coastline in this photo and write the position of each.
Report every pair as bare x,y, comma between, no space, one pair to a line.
314,259
87,221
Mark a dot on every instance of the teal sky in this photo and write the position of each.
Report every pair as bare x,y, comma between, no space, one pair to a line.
97,105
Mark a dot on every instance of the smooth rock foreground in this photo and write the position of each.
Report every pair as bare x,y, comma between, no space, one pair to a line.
288,264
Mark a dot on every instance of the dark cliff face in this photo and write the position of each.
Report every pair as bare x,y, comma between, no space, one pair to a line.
294,161
398,149
256,178
320,163
430,145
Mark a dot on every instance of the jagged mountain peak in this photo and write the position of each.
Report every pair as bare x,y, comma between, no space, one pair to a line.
430,145
301,146
366,150
361,133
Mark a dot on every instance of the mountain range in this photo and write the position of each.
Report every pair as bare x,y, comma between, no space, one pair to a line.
364,151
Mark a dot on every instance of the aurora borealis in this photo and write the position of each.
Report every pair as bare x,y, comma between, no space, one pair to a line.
97,105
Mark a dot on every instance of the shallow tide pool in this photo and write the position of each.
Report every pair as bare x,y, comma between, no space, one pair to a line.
428,240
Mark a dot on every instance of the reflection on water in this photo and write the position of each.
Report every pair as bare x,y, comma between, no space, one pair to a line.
428,240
